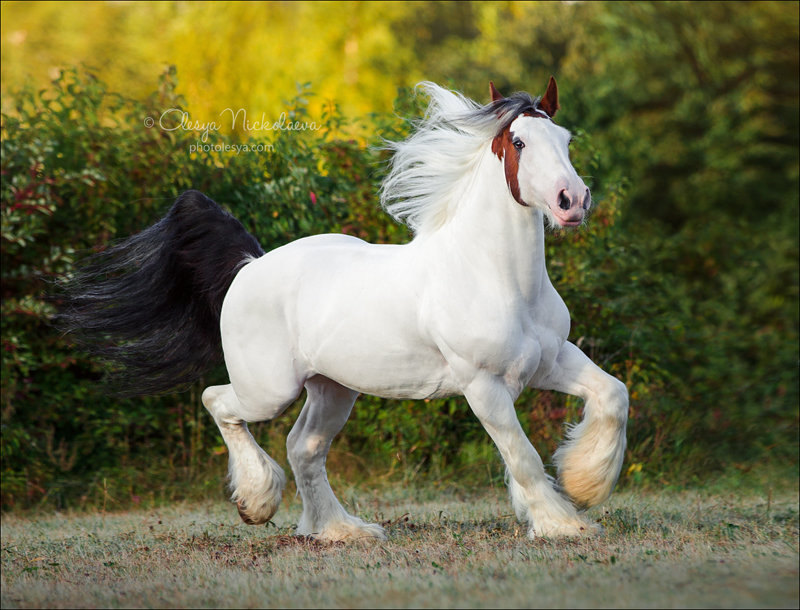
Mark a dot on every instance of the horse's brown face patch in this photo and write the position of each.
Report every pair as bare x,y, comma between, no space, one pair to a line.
503,147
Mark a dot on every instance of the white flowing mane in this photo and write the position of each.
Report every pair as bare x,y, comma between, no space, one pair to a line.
431,169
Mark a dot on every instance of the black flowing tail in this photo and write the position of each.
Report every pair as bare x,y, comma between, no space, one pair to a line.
150,305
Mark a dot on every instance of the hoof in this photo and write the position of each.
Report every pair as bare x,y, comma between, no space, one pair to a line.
577,528
249,519
348,531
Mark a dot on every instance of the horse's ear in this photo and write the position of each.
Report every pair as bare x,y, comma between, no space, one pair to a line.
496,95
549,101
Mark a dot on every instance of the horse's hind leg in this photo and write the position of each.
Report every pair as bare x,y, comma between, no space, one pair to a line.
325,412
256,479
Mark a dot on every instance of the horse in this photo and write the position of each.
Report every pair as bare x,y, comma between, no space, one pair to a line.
465,307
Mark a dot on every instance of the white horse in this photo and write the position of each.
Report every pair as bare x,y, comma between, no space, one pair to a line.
466,308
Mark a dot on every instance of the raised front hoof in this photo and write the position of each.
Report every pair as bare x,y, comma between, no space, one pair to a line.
348,532
577,528
254,517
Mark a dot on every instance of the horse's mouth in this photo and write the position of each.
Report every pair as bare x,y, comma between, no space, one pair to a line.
569,220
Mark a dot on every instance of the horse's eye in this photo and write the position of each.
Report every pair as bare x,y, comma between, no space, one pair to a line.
519,144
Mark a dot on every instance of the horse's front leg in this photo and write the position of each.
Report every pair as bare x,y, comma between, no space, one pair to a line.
533,496
590,459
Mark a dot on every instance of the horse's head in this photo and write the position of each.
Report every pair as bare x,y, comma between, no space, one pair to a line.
535,155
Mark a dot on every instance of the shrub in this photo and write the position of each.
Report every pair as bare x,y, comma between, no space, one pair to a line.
80,169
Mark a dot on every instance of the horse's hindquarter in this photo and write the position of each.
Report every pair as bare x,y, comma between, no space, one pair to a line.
336,306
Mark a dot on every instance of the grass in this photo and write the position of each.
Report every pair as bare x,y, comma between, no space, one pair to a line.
659,550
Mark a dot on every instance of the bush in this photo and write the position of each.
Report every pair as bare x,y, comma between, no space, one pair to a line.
712,382
80,169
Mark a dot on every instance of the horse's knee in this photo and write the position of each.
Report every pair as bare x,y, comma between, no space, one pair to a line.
613,399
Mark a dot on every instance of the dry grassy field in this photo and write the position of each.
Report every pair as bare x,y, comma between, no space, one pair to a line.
662,550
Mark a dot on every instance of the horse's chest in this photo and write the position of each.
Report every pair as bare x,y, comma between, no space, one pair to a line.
528,350
512,347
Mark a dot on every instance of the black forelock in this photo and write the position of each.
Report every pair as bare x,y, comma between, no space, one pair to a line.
509,108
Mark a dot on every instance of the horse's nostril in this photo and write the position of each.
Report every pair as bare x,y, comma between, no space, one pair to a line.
587,200
563,201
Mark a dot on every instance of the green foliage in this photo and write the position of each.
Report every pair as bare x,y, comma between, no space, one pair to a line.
684,283
698,104
80,169
81,166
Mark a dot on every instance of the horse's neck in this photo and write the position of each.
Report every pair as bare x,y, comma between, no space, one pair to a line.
491,236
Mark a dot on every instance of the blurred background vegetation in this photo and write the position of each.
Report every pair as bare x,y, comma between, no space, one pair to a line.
684,283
